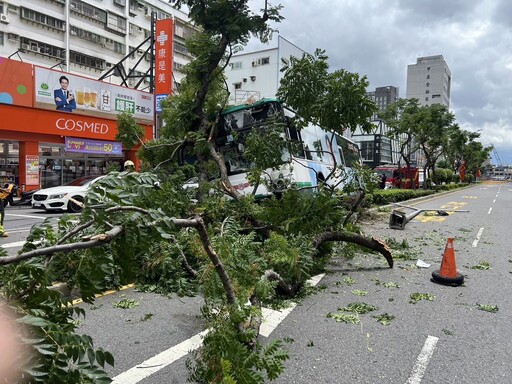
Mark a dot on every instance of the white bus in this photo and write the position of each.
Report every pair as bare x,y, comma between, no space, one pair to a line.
310,162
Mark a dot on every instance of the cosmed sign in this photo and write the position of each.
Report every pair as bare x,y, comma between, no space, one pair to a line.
74,144
91,97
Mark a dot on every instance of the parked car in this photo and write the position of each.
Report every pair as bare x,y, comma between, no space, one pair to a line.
58,198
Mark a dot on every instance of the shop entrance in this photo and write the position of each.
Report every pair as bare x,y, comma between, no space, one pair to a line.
56,166
61,170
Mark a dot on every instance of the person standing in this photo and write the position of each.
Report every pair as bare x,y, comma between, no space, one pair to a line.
4,193
64,99
382,184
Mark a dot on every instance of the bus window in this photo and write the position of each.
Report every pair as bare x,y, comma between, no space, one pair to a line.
295,137
350,151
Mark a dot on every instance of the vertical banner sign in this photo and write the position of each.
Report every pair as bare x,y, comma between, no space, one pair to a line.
32,170
163,60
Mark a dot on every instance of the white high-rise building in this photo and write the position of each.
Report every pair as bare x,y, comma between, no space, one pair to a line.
88,37
429,81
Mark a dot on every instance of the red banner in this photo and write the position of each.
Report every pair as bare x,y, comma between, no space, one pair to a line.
163,57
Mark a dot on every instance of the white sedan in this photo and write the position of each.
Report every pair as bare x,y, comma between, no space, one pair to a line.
59,198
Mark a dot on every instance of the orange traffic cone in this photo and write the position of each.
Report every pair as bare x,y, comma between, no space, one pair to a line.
448,274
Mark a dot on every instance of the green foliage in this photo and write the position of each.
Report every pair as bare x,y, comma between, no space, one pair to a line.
227,355
162,269
291,257
487,307
482,265
126,303
384,319
387,196
303,212
335,100
417,296
55,353
129,133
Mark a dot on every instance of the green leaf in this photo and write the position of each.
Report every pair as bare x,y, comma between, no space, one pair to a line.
34,321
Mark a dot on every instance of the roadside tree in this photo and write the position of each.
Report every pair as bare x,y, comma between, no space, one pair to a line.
239,252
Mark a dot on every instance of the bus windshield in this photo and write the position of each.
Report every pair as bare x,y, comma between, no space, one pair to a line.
308,155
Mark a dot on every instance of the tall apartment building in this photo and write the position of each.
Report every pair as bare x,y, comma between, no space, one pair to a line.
376,148
429,81
85,40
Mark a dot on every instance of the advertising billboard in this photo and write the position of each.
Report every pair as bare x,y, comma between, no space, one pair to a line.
68,93
163,60
75,144
16,87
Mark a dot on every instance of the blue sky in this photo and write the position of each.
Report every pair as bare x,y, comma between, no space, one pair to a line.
380,38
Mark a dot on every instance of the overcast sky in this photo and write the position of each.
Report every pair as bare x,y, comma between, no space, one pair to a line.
380,38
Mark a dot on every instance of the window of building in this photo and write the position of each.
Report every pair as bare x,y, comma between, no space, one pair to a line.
428,84
116,24
87,61
428,76
436,96
1,38
40,18
367,150
120,3
119,48
265,60
2,8
238,85
180,48
426,98
86,35
427,91
134,6
236,65
88,10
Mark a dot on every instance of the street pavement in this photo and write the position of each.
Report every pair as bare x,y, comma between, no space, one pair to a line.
446,340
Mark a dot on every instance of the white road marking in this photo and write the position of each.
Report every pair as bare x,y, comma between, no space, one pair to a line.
422,361
26,216
17,244
490,209
163,359
494,201
271,320
478,235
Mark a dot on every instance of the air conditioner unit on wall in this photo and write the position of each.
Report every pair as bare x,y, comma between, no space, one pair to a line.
25,47
4,18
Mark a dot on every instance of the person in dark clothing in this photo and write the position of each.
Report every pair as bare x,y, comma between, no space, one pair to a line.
64,99
382,183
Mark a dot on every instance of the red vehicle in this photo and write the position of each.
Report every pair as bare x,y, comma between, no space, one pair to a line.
398,177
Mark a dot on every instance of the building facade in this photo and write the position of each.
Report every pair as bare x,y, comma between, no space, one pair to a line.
41,40
255,75
429,81
376,147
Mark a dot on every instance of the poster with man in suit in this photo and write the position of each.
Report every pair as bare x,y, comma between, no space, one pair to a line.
64,99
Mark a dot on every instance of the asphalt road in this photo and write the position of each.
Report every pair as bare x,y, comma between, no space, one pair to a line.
17,224
446,340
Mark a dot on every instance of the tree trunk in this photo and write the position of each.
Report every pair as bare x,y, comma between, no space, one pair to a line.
349,237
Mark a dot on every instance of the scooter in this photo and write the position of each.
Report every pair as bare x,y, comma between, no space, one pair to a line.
25,198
